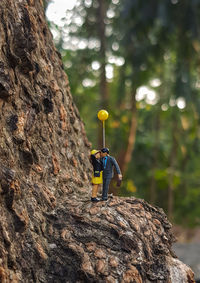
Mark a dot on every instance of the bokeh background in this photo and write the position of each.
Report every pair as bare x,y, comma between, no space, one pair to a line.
140,60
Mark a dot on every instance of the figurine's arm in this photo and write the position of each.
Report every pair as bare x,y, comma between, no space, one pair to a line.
93,158
117,168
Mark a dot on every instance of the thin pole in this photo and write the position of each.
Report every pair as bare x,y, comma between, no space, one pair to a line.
104,142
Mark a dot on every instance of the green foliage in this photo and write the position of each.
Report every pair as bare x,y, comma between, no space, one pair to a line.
146,42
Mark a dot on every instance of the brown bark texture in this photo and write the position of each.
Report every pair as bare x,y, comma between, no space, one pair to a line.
49,229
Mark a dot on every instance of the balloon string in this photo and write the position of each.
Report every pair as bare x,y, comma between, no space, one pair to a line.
104,143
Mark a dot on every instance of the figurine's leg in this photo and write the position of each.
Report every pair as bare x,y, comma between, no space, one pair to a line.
94,190
106,183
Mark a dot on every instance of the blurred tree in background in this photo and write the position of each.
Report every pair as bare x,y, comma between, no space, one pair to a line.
140,61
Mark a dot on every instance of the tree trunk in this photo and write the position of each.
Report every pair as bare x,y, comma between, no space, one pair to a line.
49,229
172,161
155,159
125,156
101,29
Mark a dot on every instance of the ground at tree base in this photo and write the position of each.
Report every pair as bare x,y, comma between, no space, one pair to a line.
121,240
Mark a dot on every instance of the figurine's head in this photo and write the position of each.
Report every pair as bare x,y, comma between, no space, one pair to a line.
104,151
96,153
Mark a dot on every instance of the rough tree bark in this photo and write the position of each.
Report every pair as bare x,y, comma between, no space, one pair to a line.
49,230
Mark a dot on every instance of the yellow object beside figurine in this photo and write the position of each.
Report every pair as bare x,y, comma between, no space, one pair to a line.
102,115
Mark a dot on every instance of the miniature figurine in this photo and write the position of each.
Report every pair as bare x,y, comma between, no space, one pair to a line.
108,163
97,176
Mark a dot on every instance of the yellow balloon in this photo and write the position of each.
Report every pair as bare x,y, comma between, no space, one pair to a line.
102,115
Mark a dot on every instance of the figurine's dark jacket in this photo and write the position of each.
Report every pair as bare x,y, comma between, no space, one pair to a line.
108,170
97,165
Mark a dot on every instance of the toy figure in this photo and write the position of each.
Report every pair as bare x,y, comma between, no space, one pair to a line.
97,176
108,163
